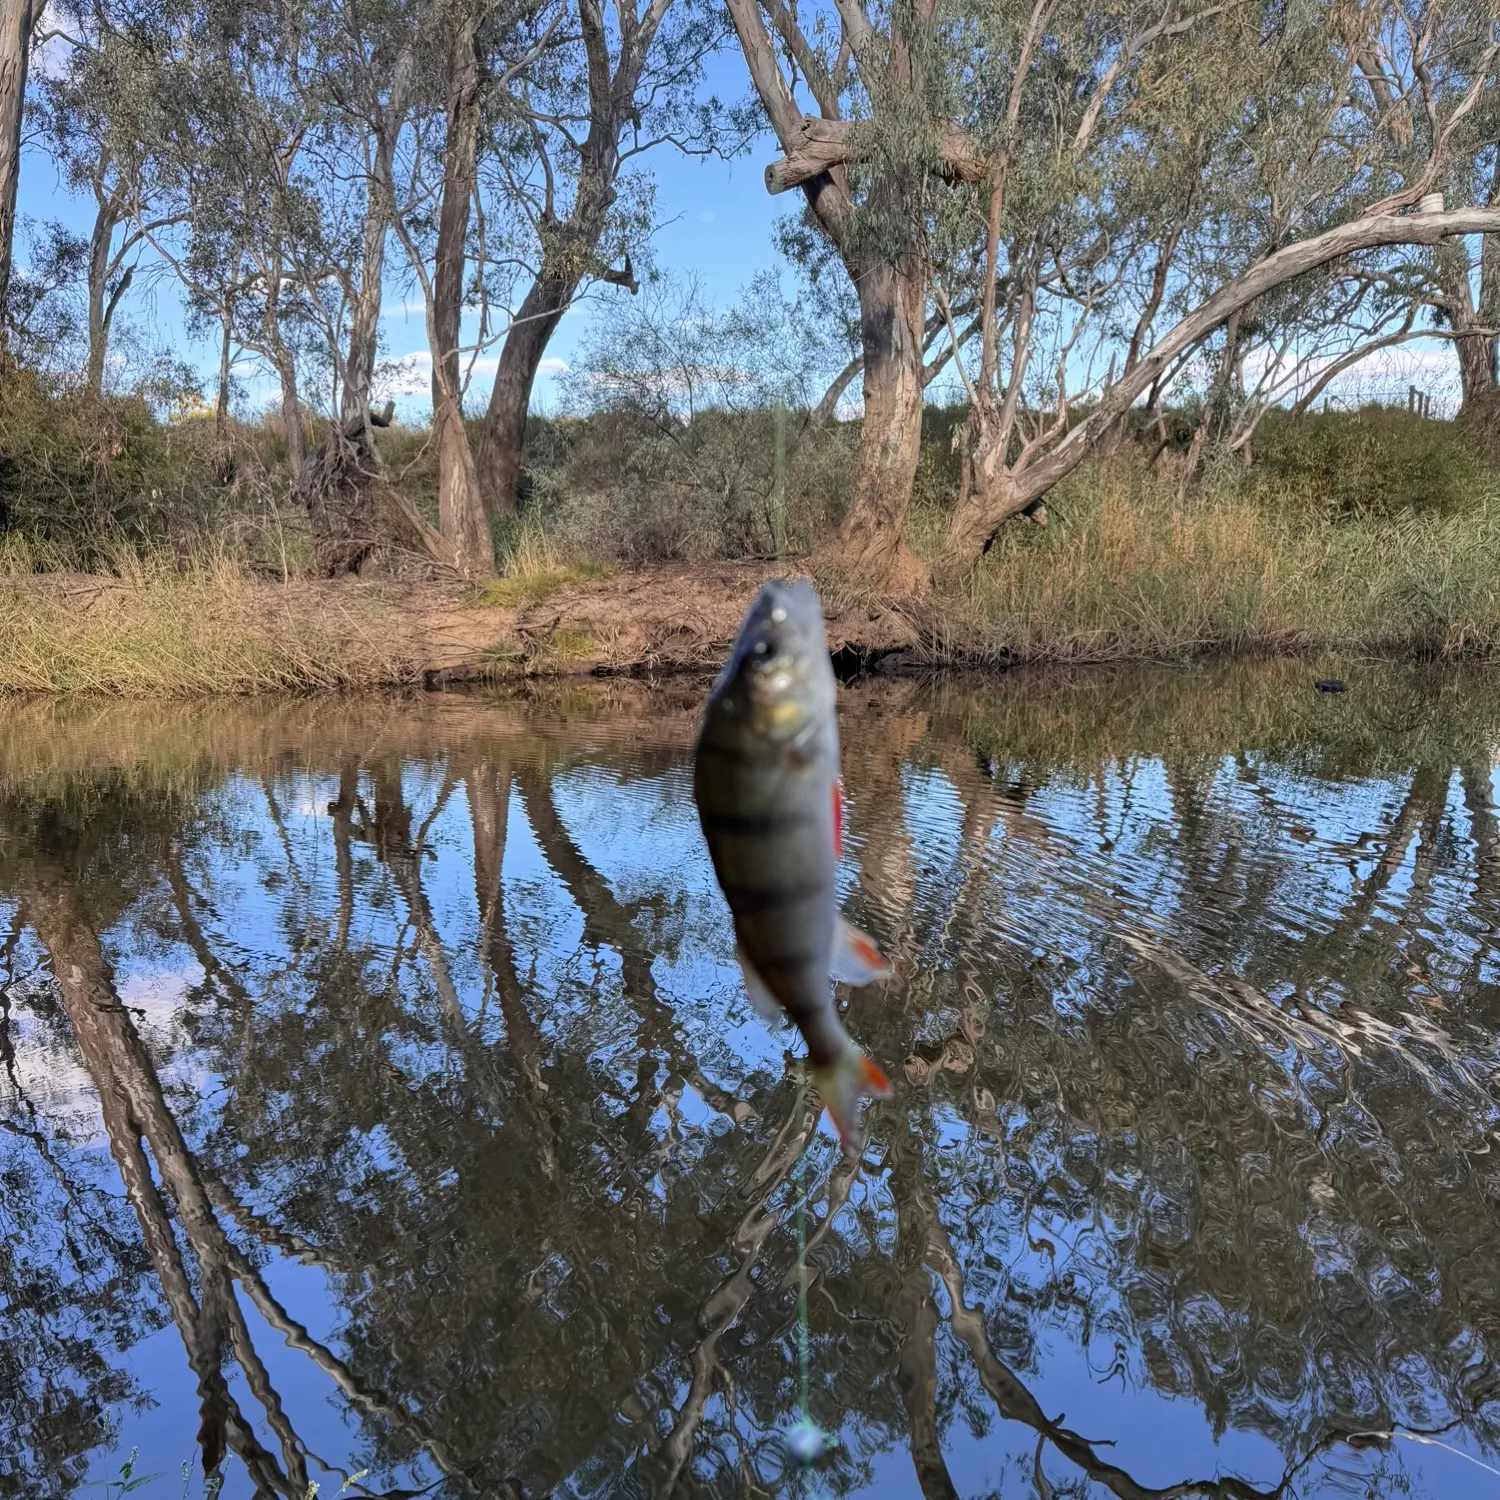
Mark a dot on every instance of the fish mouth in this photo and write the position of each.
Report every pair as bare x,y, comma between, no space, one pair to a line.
776,685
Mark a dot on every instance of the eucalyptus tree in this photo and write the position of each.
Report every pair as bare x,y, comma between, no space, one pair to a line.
1081,175
472,52
1227,150
868,163
1443,109
77,109
617,82
223,110
370,74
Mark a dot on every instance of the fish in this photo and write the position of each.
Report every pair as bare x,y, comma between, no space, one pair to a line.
766,782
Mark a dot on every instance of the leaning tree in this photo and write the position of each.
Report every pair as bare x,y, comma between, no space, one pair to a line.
1108,185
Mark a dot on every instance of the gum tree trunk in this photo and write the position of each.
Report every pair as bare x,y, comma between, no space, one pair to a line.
221,400
17,18
891,281
502,445
103,300
1475,350
871,541
570,245
461,517
291,412
991,494
364,324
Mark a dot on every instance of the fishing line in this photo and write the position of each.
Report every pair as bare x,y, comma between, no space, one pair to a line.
805,1441
803,1336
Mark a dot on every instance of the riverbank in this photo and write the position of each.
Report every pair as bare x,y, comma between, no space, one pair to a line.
1111,578
219,632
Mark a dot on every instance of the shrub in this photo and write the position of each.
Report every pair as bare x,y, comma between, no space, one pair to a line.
1378,461
641,490
82,475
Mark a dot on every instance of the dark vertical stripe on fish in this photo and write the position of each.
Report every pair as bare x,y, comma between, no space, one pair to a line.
748,824
756,901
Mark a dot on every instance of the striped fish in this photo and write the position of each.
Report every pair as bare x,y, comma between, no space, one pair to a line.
766,780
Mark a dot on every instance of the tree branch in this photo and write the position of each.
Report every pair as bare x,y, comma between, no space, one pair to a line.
814,146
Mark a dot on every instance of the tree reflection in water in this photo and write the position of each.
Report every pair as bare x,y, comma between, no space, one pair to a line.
459,1166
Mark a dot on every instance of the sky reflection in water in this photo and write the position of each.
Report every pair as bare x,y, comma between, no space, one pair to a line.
381,1107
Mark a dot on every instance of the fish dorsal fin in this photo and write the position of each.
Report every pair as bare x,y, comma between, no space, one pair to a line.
856,959
838,818
762,1001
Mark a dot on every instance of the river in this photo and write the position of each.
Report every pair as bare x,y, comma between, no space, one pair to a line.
382,1110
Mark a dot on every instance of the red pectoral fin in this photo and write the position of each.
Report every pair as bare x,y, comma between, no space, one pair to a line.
838,818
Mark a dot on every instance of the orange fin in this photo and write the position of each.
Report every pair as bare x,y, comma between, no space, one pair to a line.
856,959
842,1085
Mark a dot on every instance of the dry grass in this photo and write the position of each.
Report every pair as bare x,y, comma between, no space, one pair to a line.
155,630
1124,571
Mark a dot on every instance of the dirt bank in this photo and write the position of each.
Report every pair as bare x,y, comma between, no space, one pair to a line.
671,618
173,636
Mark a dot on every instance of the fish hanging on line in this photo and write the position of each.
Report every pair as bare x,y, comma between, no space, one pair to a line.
766,780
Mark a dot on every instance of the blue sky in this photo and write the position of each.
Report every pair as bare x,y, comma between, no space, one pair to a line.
716,222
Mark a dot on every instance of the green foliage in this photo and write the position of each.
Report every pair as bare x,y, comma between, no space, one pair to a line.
77,467
1379,461
677,413
939,469
128,1482
515,591
87,481
1374,530
642,490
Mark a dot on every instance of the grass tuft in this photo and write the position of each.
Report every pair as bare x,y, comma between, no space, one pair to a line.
517,591
531,570
570,643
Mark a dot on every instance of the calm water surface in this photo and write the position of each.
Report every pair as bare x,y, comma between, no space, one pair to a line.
382,1111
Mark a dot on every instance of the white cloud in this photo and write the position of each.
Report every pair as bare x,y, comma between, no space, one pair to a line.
67,1092
553,366
417,309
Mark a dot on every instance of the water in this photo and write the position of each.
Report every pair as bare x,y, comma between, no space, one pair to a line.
382,1112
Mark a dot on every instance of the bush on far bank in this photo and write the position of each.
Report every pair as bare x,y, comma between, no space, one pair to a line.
81,479
1379,461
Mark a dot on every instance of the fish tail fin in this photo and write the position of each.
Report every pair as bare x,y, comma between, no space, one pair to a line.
841,1084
